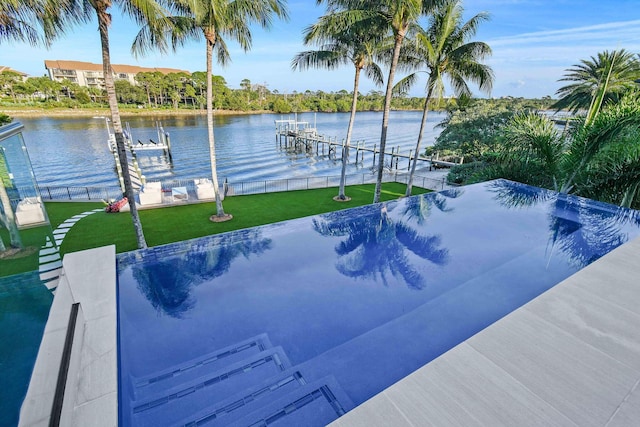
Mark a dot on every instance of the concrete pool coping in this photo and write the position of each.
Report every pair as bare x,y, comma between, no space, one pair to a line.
91,393
569,357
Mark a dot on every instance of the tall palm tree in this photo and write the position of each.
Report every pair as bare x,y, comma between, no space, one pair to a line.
356,45
398,16
444,49
216,20
597,81
143,12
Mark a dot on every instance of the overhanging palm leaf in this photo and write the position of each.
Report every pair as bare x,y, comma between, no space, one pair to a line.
36,21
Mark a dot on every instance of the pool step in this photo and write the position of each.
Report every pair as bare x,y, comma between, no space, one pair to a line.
247,401
194,368
314,404
181,400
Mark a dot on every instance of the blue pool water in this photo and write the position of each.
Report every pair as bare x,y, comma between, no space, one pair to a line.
298,322
24,308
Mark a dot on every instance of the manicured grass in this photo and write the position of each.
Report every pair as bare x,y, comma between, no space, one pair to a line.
27,259
172,224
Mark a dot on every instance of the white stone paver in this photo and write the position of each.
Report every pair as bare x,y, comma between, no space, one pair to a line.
49,264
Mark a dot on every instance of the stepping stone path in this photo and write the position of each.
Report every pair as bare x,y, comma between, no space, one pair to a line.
50,260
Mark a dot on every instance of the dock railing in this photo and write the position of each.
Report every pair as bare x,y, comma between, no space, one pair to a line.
66,193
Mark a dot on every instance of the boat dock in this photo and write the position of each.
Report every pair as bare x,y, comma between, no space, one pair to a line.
137,177
293,133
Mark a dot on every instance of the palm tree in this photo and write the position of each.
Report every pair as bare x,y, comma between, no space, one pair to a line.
142,11
355,45
215,20
443,49
398,16
597,81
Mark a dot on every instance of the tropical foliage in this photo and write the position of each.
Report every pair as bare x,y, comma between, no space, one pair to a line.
153,90
4,119
33,21
600,160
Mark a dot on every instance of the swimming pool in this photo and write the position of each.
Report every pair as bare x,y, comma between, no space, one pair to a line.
298,322
24,307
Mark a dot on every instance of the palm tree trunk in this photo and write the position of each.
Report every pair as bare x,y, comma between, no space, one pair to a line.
345,149
385,114
422,126
9,218
103,25
212,147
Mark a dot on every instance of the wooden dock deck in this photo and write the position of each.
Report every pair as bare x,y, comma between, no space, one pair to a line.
298,134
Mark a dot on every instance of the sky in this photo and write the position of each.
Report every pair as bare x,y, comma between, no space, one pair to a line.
534,42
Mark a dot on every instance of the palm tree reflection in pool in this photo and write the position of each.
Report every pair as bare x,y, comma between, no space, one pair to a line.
377,244
420,207
582,233
167,283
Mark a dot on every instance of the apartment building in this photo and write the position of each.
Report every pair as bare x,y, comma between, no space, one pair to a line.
23,76
90,75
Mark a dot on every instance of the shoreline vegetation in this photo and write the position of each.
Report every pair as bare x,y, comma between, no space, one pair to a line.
92,112
450,106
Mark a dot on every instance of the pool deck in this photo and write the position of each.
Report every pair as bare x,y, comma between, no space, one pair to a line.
570,357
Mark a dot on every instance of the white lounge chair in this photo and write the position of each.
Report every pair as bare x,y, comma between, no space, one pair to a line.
204,189
29,211
151,193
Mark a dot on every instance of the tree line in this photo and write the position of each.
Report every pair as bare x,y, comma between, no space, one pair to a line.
183,91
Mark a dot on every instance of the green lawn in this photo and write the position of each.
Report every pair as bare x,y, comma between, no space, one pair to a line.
172,224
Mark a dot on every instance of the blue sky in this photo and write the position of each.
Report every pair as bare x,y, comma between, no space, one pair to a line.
533,42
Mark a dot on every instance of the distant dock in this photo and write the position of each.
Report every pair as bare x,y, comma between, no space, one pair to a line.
292,133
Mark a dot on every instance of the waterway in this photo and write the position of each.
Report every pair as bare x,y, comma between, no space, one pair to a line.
73,151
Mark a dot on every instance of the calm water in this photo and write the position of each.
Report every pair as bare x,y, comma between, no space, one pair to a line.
321,313
73,151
